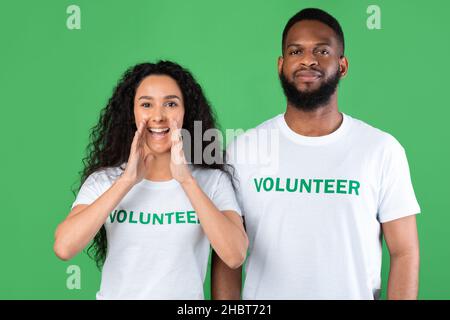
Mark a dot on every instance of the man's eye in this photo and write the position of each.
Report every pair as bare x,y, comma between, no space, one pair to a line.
295,52
324,52
145,105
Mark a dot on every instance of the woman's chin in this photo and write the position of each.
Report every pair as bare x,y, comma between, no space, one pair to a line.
158,149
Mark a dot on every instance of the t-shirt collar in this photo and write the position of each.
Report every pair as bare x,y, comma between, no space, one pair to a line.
314,141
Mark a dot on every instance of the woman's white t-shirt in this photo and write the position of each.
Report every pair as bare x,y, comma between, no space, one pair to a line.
156,246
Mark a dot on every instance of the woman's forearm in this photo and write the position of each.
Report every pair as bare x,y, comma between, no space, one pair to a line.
227,238
77,230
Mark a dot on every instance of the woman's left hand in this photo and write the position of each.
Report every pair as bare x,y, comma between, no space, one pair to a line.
178,164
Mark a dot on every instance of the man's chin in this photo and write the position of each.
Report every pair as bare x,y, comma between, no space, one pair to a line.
309,87
307,107
307,91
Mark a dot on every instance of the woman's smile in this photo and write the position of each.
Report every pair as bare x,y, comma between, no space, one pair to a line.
158,133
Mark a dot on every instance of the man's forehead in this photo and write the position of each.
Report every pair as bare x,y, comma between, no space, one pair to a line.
310,31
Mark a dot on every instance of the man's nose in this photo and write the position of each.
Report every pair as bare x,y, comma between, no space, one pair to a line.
309,59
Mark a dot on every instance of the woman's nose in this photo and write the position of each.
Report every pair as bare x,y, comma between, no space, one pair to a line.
158,115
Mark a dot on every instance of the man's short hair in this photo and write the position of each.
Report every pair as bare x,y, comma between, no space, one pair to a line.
318,15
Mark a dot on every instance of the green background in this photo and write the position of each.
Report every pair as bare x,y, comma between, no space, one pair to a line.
54,81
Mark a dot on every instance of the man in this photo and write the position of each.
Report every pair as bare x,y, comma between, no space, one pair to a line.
316,213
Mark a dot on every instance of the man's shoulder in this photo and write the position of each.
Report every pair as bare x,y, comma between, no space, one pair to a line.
263,128
371,135
269,123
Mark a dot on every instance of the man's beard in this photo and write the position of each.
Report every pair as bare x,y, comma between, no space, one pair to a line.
310,100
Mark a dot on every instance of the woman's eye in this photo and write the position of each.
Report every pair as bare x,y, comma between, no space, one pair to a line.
171,104
145,105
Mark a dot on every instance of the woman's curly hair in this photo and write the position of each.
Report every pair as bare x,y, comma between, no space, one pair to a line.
110,139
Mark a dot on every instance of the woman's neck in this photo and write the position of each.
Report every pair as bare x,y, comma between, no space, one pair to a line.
159,169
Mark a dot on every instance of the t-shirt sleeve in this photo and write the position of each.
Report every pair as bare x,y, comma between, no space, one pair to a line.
89,191
397,197
231,159
224,197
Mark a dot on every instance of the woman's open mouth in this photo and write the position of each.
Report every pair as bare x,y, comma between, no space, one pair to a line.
158,133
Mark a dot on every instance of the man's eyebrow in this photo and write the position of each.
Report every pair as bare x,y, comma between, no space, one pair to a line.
322,43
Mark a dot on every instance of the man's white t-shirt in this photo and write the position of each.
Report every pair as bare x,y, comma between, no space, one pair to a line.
313,207
156,246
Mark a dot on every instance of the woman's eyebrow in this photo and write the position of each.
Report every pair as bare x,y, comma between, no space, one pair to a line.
172,96
145,97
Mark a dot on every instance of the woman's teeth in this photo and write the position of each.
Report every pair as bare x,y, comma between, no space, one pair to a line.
158,132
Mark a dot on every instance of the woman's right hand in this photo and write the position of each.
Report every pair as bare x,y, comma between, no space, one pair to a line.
139,158
84,221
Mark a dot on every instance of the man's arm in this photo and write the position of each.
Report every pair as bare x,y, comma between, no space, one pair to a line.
225,282
403,244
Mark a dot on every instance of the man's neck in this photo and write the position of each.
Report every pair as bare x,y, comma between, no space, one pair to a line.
319,122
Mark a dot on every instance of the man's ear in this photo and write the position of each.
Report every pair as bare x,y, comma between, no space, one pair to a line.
280,65
343,66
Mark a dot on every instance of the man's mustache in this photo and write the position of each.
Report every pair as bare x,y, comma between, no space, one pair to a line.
313,70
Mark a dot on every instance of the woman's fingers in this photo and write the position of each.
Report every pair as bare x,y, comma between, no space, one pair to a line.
141,127
137,143
141,133
177,153
134,143
175,132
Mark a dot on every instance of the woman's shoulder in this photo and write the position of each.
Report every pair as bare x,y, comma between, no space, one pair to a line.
105,175
209,173
210,178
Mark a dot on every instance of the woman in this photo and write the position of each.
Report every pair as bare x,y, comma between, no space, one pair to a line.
151,215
